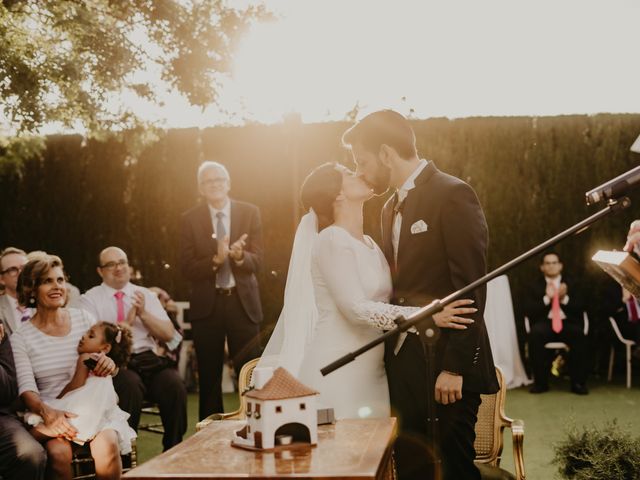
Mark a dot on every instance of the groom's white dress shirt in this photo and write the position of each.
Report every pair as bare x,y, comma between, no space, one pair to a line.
402,193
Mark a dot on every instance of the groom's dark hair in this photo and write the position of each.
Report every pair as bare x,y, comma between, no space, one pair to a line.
320,190
385,127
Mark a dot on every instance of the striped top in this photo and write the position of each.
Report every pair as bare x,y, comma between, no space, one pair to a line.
44,363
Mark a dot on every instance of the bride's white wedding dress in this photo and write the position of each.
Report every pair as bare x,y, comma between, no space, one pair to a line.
351,283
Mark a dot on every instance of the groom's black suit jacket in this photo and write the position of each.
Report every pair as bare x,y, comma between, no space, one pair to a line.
449,255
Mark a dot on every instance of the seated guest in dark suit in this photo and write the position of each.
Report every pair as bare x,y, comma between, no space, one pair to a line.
21,455
555,313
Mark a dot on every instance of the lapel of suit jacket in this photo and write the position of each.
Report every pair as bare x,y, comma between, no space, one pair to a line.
387,224
234,222
411,204
205,222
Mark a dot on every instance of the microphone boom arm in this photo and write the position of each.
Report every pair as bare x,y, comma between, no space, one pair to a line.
426,312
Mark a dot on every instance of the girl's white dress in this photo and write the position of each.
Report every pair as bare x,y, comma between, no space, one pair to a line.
96,407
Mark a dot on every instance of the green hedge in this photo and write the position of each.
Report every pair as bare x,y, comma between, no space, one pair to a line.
530,175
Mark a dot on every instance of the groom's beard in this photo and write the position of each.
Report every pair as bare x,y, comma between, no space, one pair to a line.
380,183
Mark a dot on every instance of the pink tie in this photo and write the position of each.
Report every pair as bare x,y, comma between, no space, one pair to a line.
556,317
633,310
120,304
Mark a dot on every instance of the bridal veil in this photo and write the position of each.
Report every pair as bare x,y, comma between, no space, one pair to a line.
295,327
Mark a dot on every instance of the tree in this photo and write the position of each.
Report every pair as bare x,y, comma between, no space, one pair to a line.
69,61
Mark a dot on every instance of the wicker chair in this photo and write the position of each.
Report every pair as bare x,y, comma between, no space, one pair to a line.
489,441
243,385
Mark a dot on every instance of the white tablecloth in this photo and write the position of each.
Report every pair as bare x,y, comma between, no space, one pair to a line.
501,326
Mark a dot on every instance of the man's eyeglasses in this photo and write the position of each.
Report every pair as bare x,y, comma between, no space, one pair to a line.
112,265
11,271
214,182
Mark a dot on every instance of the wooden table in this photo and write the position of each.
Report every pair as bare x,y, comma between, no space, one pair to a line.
349,449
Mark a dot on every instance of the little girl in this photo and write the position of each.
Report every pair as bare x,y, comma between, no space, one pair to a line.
91,398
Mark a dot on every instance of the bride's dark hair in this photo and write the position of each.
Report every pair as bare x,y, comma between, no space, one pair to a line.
319,191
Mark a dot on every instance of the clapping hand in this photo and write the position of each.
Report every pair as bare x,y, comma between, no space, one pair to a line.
236,251
137,307
138,302
222,253
562,290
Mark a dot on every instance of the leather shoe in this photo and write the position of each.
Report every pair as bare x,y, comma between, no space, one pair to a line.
539,389
579,389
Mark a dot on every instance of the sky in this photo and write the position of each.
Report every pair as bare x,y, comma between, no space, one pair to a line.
448,58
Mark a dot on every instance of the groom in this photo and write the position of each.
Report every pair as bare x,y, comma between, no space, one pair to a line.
435,239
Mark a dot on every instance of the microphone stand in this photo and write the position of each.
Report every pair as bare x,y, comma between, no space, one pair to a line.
429,332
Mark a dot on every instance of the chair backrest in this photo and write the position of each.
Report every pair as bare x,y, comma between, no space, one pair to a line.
585,320
489,426
244,383
616,330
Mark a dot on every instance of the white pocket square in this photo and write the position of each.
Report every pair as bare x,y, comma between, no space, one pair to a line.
419,227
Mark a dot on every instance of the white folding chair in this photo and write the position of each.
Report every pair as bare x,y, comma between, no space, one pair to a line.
557,346
627,344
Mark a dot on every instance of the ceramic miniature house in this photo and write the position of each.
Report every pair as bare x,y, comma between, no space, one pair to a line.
280,411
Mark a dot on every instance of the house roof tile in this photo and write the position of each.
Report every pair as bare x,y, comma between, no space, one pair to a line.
280,386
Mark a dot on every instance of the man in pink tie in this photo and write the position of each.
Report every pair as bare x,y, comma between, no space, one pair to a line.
555,314
148,376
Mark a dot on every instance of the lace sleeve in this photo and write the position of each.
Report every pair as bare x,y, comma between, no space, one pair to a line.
380,315
336,262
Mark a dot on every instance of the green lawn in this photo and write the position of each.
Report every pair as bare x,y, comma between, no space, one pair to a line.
546,418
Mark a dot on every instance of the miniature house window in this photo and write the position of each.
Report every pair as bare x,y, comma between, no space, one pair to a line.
303,406
257,415
248,409
278,409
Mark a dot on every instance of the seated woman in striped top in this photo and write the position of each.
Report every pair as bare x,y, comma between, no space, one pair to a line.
92,398
45,354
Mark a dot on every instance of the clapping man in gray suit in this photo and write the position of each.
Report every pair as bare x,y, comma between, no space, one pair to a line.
221,253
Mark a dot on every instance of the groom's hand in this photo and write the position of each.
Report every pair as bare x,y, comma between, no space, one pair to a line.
448,388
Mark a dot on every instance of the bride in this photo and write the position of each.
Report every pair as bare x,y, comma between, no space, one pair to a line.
335,299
